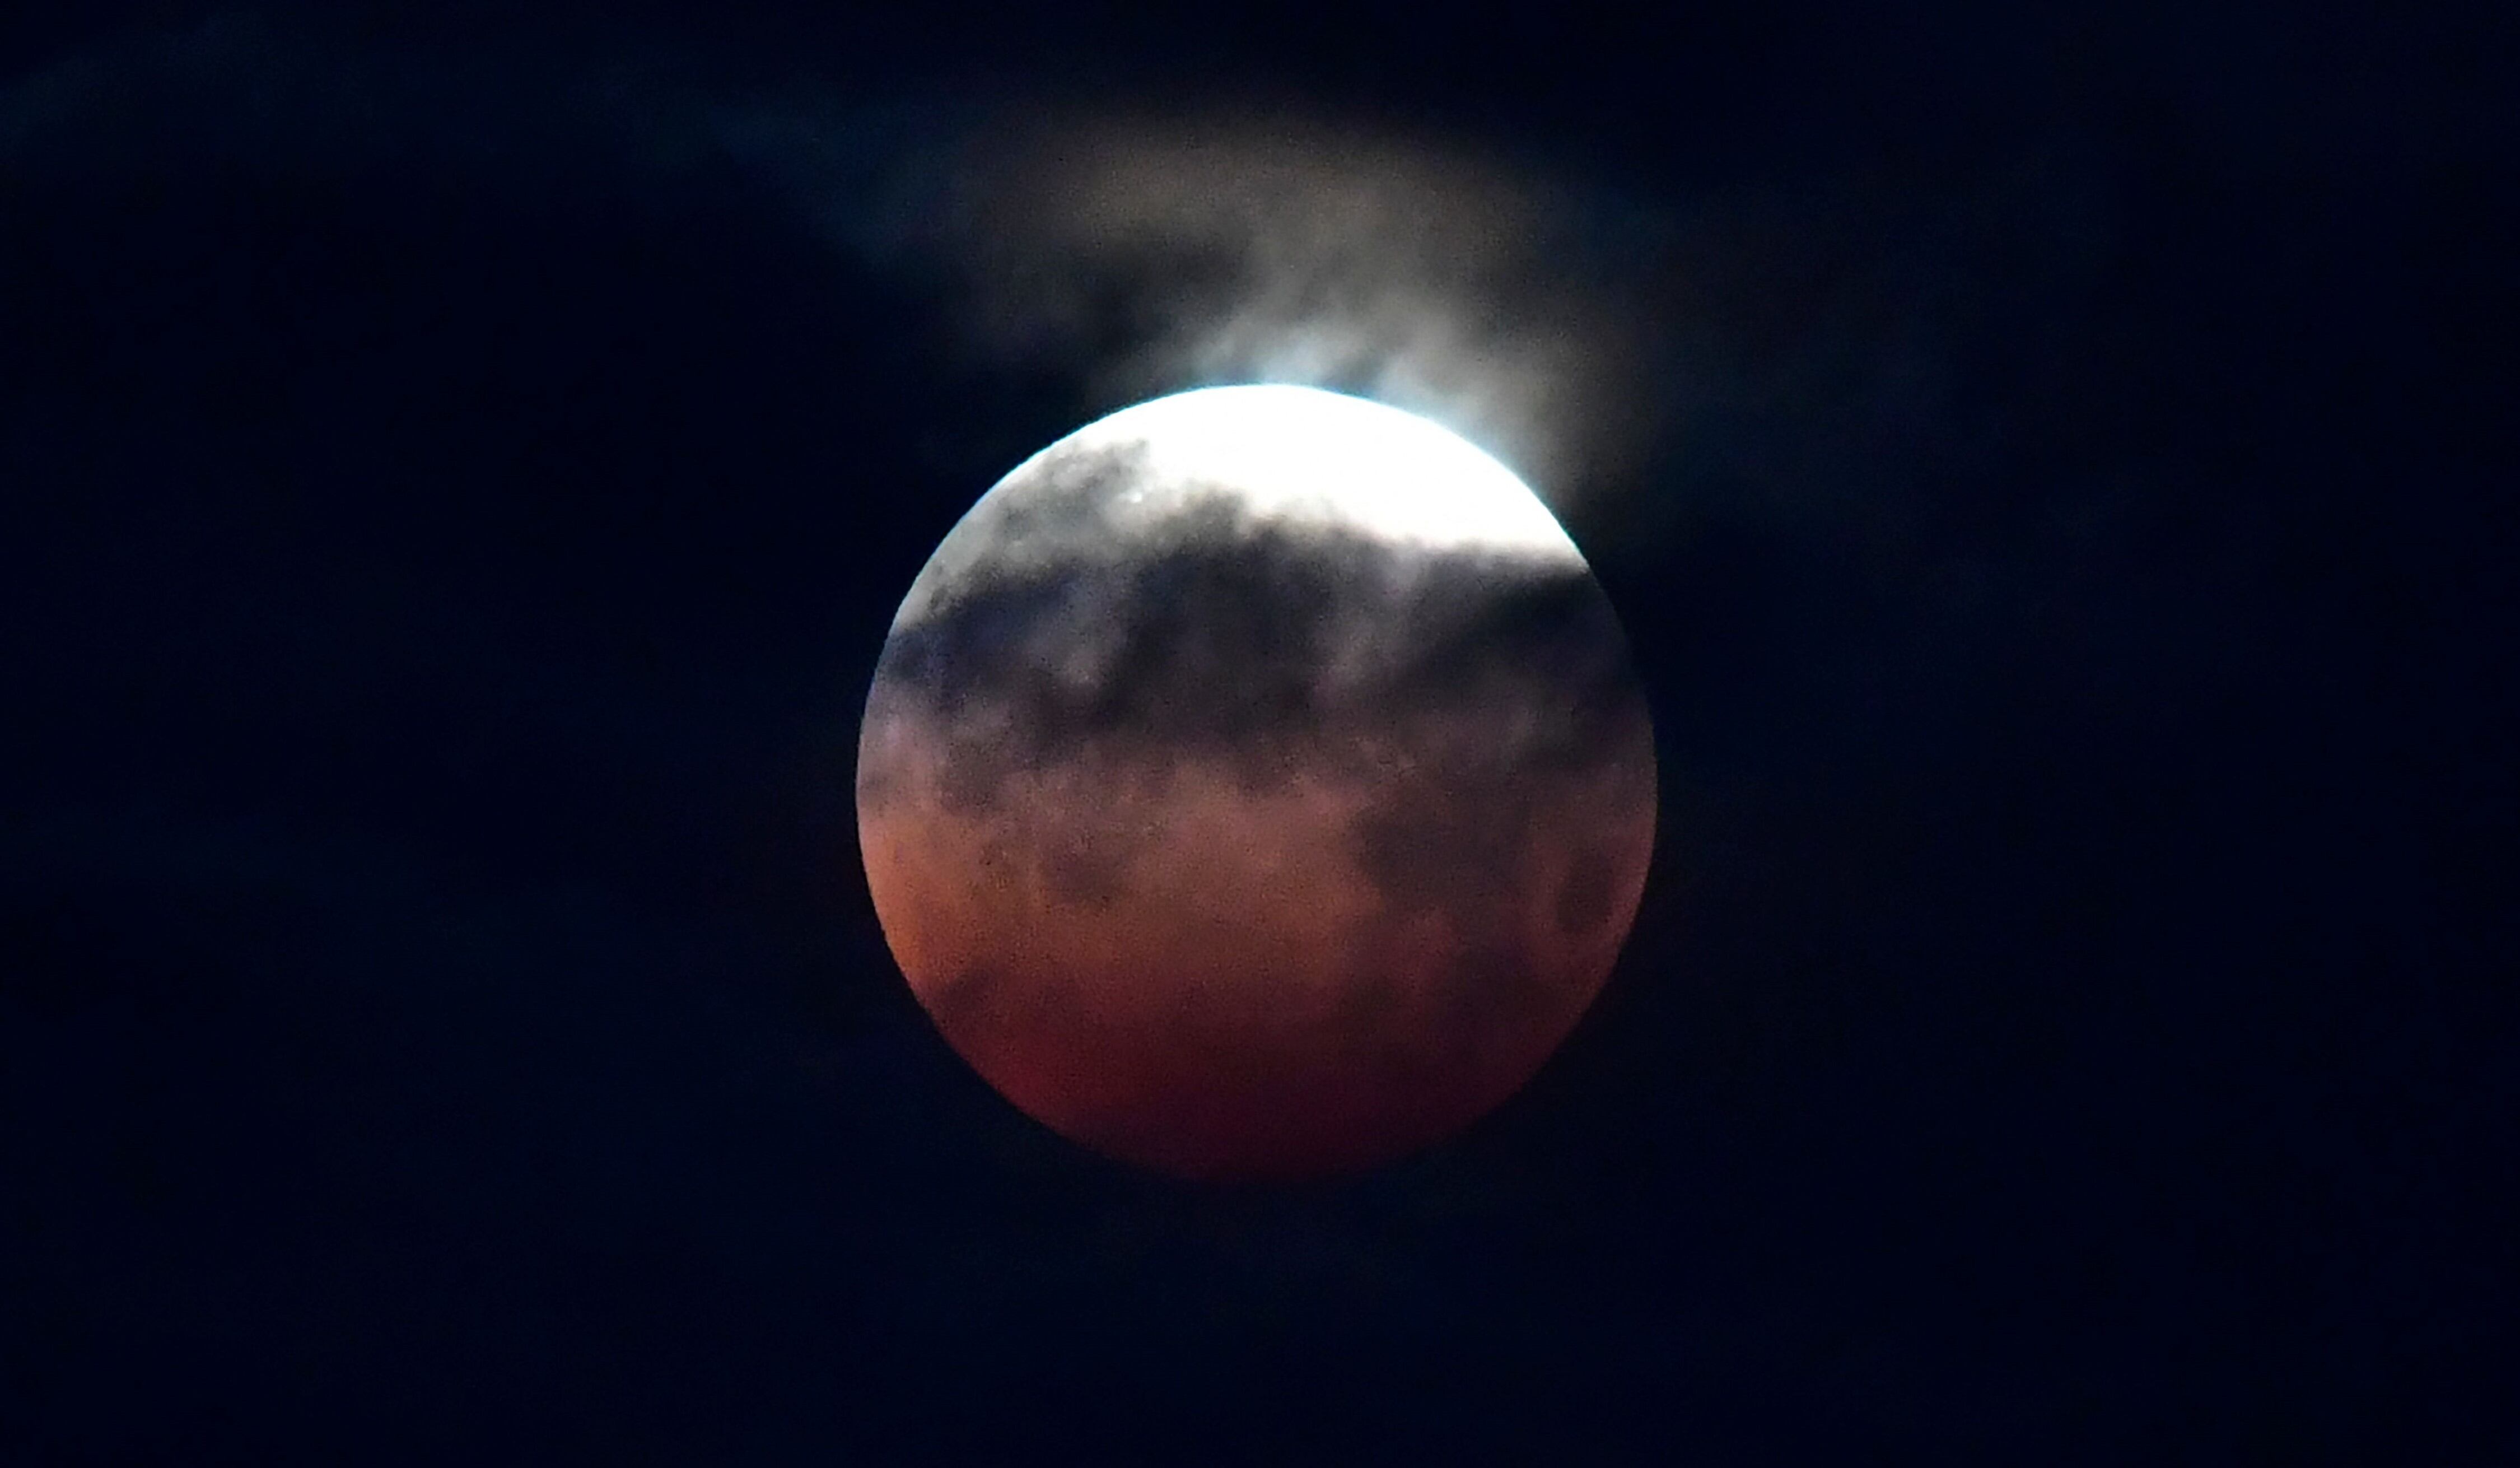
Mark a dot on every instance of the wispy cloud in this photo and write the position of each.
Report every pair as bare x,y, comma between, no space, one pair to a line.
1789,345
1152,251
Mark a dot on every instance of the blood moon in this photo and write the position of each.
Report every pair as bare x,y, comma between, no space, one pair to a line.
1254,783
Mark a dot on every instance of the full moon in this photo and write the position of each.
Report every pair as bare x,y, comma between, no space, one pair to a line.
1254,785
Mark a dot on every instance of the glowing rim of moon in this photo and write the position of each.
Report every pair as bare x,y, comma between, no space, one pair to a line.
1324,458
1309,455
1294,455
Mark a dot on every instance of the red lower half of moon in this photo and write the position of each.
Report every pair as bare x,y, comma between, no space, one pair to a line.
1181,972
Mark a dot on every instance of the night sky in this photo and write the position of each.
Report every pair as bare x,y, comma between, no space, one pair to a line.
457,465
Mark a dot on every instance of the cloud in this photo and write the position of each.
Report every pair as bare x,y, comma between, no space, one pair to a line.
1818,350
1152,251
1254,644
1134,251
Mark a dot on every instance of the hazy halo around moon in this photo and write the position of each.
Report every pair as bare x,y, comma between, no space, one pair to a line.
1254,783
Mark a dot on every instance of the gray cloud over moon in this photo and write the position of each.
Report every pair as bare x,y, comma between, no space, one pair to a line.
1267,643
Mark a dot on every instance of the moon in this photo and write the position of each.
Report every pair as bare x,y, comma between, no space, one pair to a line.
1255,785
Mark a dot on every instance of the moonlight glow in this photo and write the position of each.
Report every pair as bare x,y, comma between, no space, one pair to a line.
1340,461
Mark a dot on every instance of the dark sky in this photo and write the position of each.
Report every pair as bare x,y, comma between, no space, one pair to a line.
456,469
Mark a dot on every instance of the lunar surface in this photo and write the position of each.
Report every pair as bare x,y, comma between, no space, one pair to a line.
1254,783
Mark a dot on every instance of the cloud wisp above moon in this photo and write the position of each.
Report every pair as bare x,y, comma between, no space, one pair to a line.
1154,251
